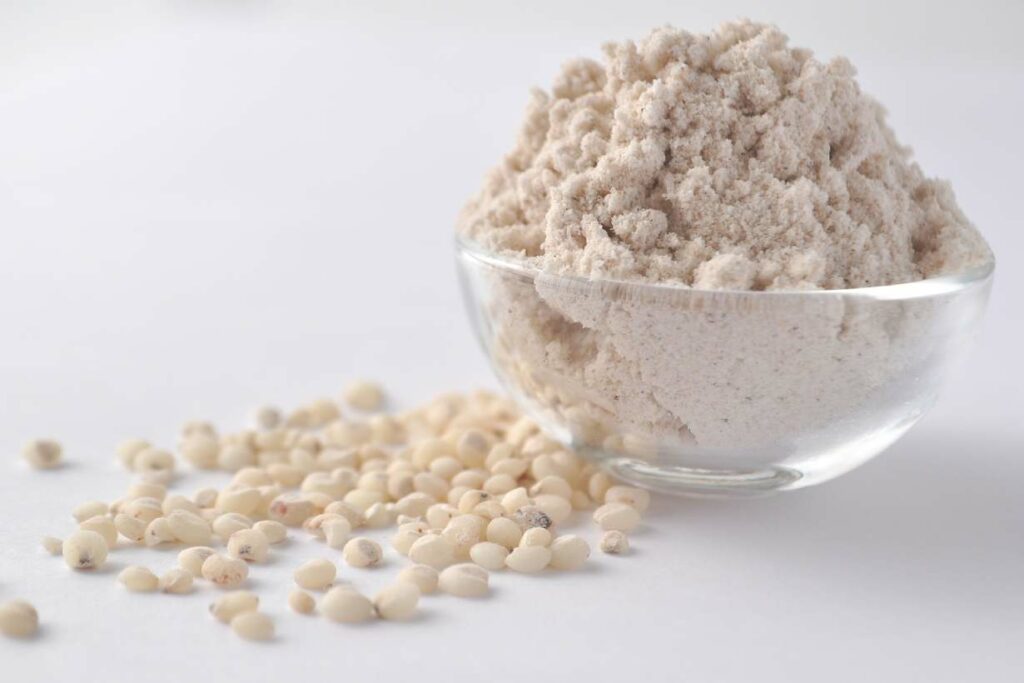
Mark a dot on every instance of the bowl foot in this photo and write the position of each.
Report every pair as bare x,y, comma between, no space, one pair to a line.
710,483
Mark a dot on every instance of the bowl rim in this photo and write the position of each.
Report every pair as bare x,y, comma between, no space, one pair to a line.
933,286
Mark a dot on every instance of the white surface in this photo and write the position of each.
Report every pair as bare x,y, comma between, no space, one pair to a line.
204,206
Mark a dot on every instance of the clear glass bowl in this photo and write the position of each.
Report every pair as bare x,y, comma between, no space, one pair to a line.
719,392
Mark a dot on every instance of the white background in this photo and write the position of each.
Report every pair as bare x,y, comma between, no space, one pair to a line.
209,205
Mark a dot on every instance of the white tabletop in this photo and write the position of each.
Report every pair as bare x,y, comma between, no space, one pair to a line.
205,209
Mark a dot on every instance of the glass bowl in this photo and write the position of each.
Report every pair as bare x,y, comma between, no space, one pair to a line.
719,392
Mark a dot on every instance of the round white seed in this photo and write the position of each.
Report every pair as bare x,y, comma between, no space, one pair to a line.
398,601
249,545
231,604
489,555
464,532
244,500
193,427
18,619
104,526
464,580
597,485
354,516
362,552
205,498
472,448
176,580
363,395
552,484
380,515
130,527
146,489
559,509
159,531
569,552
179,502
504,531
189,528
273,531
144,509
336,531
228,523
315,574
528,559
223,571
617,517
128,449
515,499
439,514
489,509
192,559
253,626
415,504
234,457
314,525
268,418
386,430
614,542
85,550
153,460
345,604
291,510
300,601
581,501
630,495
530,516
433,550
93,508
363,500
52,545
536,536
138,579
423,576
43,454
408,534
201,451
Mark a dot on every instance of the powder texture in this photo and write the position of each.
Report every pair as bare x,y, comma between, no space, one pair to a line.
722,161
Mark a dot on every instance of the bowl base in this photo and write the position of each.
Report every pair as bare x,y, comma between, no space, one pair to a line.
705,483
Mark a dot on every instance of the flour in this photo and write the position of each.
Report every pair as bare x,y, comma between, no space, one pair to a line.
721,162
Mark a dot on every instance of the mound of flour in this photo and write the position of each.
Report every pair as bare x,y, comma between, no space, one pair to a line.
722,161
728,161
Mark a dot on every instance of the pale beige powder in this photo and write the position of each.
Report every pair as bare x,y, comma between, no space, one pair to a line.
727,161
722,161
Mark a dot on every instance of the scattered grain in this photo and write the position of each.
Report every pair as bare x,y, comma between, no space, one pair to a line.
398,601
85,549
464,580
614,542
253,626
315,574
231,604
43,454
223,571
177,581
423,576
528,559
345,604
300,601
138,579
18,619
362,552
